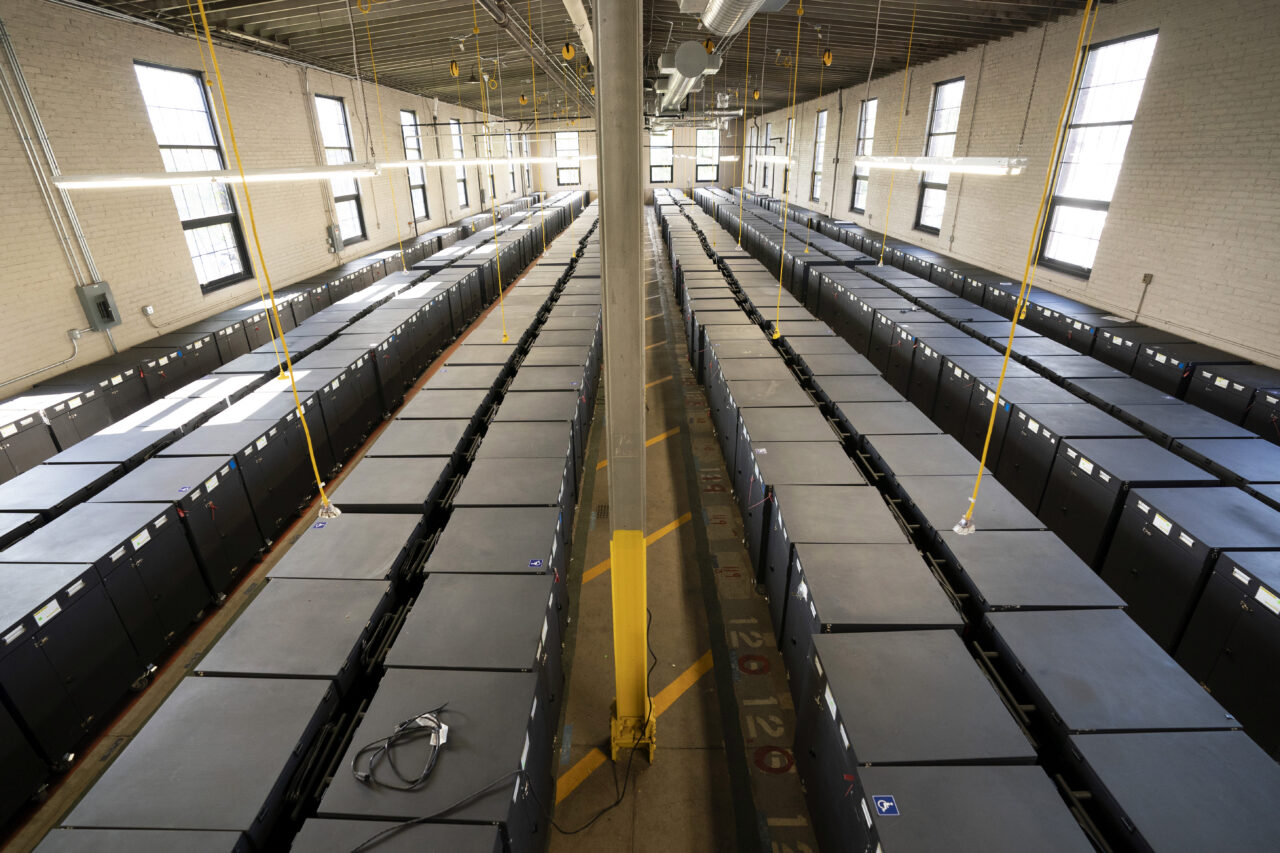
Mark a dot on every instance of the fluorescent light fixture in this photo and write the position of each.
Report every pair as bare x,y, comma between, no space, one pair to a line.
220,176
958,165
473,161
774,158
729,158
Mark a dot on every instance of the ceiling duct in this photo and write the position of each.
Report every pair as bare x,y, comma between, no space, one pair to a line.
684,69
728,17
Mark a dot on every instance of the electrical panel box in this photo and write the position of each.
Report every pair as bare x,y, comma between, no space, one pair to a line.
99,305
335,238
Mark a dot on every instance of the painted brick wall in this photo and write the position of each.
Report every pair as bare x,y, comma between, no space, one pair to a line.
1198,197
79,67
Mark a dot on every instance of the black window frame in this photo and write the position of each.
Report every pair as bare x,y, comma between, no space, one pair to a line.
753,138
786,153
355,183
670,167
697,166
863,138
458,147
414,189
577,170
1055,200
764,167
930,133
819,154
233,217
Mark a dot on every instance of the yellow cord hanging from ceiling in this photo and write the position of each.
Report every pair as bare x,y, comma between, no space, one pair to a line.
382,133
327,509
786,195
533,75
902,107
742,164
966,524
262,297
488,153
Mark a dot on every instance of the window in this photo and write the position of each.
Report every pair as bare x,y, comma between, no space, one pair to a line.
567,149
183,125
336,138
417,174
940,141
707,165
751,156
1101,118
528,168
661,157
786,152
768,149
819,154
511,164
866,137
459,172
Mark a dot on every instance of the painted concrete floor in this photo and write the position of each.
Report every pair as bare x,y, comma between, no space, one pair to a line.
723,777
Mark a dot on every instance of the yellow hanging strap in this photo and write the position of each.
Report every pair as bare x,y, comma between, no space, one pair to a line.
786,195
382,133
488,153
262,297
965,524
902,108
742,166
533,75
327,510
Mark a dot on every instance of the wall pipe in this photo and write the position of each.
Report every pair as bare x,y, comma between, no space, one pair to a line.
74,334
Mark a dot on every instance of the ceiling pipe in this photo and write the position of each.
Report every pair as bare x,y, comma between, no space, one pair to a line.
510,22
728,17
582,24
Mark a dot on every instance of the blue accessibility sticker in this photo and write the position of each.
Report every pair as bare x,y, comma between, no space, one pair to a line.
183,489
886,805
535,564
319,524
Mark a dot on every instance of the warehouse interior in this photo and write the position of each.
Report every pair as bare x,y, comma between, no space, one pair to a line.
542,426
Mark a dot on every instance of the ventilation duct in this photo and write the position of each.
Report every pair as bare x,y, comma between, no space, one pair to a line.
728,17
684,69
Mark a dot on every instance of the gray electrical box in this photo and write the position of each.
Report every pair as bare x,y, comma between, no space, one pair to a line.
335,238
99,305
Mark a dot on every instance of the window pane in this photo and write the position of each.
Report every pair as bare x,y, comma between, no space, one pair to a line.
932,202
1091,161
215,252
1073,235
860,193
708,173
419,199
1112,81
333,122
946,107
349,225
176,106
567,177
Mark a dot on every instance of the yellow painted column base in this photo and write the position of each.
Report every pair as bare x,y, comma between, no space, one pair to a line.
631,722
632,733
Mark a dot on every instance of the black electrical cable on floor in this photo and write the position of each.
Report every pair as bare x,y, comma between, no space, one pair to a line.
619,794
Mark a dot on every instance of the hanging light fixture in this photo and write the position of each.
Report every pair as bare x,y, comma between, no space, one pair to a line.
220,176
957,165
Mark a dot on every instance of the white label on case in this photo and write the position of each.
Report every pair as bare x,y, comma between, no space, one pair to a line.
143,537
1085,465
1162,524
831,701
1268,599
7,430
74,403
844,736
164,359
1161,357
211,483
1221,382
1033,425
50,610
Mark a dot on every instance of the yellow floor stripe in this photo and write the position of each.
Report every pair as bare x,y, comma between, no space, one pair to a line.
650,443
656,344
657,381
603,566
592,761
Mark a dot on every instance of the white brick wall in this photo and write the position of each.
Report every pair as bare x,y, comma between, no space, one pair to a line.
1198,197
80,70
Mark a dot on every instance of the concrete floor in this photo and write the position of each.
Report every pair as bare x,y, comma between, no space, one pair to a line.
723,777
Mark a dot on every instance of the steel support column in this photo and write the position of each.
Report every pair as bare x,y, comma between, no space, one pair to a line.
619,117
